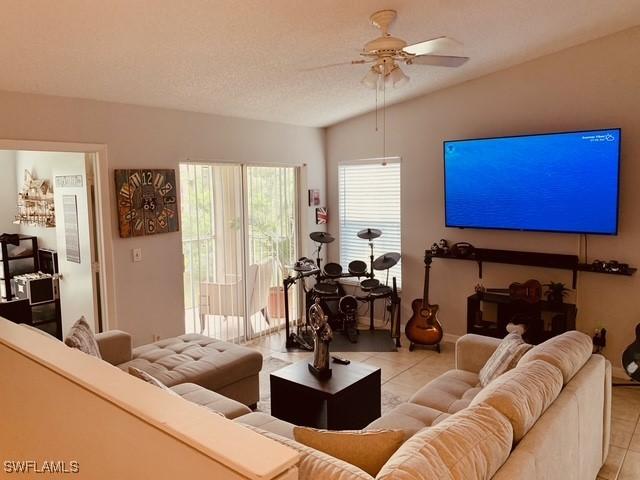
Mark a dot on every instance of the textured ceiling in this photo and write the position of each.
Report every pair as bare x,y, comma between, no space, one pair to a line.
248,58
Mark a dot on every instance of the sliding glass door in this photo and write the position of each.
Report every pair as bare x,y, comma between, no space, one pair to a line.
239,231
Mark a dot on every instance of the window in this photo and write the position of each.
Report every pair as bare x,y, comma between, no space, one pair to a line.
370,198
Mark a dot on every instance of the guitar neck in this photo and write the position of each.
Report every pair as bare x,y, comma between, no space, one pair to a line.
425,293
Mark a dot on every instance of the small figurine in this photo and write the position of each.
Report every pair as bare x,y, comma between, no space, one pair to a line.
435,249
444,246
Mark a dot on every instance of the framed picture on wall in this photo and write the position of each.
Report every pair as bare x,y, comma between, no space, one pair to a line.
146,202
314,197
322,216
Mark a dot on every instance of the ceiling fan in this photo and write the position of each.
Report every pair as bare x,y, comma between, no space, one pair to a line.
387,51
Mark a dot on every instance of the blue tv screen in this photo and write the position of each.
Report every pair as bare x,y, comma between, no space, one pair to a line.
556,182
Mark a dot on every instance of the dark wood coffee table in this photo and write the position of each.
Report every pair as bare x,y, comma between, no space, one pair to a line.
350,399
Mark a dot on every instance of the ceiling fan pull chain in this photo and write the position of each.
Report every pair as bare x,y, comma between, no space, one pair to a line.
384,119
376,94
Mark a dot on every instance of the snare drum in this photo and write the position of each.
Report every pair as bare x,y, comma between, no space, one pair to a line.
381,291
325,289
332,270
358,268
369,284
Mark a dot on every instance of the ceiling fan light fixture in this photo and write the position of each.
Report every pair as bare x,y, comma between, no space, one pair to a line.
396,78
370,80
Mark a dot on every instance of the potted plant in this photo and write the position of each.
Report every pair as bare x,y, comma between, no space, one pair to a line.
556,291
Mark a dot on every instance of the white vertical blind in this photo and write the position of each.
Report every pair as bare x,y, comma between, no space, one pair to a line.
370,198
239,232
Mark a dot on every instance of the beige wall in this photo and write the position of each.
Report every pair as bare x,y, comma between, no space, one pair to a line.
149,294
589,86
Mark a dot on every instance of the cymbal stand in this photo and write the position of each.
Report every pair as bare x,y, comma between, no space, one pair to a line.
318,259
372,275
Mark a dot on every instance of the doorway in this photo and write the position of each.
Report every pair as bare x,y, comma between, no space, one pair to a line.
239,234
53,199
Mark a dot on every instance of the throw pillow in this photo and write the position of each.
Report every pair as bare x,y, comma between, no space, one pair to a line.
142,375
506,357
81,337
367,450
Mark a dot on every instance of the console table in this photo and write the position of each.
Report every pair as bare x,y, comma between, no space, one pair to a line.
349,400
561,317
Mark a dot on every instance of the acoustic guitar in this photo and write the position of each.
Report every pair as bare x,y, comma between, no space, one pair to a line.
529,291
423,328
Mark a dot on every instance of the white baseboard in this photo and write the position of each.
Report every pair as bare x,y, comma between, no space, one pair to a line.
450,338
619,373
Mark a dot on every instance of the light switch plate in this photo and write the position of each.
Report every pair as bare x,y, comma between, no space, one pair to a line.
137,254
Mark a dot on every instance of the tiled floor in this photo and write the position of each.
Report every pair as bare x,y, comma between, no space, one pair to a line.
404,372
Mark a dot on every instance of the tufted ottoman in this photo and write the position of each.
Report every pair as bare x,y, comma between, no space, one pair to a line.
228,369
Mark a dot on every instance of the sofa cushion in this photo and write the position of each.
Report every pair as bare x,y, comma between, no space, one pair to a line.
266,422
449,393
367,450
144,376
523,394
408,417
472,444
197,359
81,337
569,352
315,464
211,400
506,357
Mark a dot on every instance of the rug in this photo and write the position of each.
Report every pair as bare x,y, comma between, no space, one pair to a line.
269,365
368,341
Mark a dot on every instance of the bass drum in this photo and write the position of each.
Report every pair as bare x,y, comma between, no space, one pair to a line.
348,305
358,268
332,270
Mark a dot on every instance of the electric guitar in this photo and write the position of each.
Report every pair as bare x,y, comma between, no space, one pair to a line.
631,357
423,327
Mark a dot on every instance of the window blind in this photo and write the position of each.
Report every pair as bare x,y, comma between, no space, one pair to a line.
369,196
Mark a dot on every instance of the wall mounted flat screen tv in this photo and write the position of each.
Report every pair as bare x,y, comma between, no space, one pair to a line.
555,182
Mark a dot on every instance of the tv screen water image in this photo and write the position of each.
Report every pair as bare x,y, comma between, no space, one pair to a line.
556,182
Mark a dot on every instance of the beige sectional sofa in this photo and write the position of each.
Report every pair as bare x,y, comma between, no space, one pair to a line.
548,418
188,362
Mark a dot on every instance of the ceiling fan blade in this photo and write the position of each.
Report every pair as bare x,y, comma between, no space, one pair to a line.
438,60
435,45
330,65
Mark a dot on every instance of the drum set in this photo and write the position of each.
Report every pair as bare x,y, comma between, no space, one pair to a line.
328,288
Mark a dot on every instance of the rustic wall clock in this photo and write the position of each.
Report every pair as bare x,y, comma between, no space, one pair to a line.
146,202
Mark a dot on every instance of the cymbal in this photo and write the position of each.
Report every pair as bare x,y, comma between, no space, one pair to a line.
321,237
386,261
369,233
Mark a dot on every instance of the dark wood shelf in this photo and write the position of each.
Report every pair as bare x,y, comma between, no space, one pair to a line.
563,317
532,259
587,267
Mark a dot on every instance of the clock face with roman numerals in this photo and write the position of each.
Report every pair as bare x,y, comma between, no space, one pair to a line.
146,202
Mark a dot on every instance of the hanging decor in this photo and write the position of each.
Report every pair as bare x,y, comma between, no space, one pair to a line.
146,202
35,203
322,216
314,197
